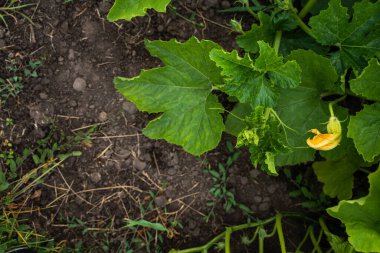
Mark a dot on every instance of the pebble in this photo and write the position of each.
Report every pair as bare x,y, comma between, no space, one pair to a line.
95,177
257,199
71,56
263,207
102,117
211,3
2,43
160,28
123,153
172,171
272,188
43,96
129,107
79,84
73,103
244,180
160,201
2,33
140,165
254,173
226,4
61,59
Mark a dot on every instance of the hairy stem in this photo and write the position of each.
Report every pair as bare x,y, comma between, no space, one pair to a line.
277,40
252,12
227,240
280,233
303,26
307,8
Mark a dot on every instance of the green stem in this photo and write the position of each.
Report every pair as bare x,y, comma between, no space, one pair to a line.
252,12
315,243
261,244
227,240
254,236
323,226
335,102
303,26
307,8
280,233
365,170
299,247
277,41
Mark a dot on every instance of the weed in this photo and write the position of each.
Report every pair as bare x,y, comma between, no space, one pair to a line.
16,73
17,180
11,8
306,191
220,189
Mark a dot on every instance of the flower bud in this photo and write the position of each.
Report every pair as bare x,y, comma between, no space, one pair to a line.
333,126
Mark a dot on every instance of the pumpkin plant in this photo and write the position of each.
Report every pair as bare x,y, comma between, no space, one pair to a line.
315,67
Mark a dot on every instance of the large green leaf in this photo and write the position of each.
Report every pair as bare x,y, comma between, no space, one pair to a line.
256,83
357,36
362,217
301,108
128,9
368,83
265,31
338,176
182,91
3,182
364,129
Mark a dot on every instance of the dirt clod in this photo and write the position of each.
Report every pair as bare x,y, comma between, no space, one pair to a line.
138,164
160,201
95,177
102,116
79,84
129,107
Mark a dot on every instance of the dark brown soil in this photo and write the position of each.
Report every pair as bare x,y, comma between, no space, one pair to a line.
121,171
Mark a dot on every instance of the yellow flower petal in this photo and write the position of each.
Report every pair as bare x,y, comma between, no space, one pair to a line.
323,141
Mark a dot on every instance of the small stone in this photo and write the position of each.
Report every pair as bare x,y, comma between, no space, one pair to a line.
272,188
2,43
134,53
123,153
45,81
129,107
73,103
2,33
79,84
95,177
160,201
263,207
140,165
226,4
244,180
172,171
92,107
102,117
61,59
71,56
160,28
43,96
211,3
254,173
257,199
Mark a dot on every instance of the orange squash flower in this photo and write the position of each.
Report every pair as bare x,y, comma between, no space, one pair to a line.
327,141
